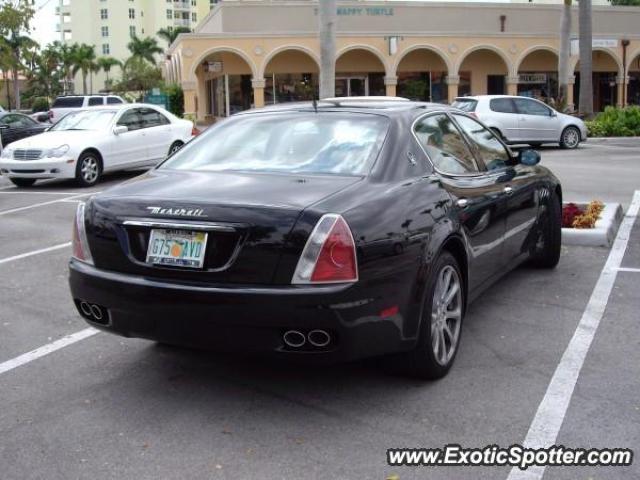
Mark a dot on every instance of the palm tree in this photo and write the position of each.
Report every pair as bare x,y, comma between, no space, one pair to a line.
586,58
327,16
83,61
170,35
563,57
15,46
144,48
106,64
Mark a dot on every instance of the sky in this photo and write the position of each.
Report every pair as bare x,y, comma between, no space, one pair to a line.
44,22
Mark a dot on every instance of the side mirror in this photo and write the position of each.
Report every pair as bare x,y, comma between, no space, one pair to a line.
553,113
120,129
529,157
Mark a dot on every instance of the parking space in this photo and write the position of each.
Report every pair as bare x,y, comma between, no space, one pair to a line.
109,407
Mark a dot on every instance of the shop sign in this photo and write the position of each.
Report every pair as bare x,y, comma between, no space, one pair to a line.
597,43
531,78
215,67
363,11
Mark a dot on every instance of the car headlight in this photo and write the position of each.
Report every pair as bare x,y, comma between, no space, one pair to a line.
7,153
58,152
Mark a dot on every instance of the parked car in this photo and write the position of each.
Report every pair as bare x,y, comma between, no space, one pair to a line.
17,126
525,120
267,233
40,117
87,143
71,103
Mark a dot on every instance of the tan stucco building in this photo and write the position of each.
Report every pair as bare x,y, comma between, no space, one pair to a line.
251,53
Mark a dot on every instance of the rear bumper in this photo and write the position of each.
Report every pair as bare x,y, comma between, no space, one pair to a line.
243,318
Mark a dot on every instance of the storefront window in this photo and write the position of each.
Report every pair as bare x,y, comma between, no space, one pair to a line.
540,85
464,88
423,86
290,87
240,93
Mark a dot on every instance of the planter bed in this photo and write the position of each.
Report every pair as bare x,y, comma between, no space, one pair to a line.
604,231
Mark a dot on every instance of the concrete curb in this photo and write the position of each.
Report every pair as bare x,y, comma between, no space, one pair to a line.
604,232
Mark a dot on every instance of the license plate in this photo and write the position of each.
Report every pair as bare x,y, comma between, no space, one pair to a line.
177,248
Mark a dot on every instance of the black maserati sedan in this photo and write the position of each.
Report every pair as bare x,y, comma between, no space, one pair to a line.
15,126
330,231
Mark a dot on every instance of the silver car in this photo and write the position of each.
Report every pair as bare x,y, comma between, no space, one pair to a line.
524,120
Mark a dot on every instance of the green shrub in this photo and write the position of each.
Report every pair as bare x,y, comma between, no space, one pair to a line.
176,99
616,122
40,104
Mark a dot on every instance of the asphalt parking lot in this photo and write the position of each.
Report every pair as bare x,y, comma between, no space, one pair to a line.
108,407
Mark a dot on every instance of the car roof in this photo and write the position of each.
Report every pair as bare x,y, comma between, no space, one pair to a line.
89,95
381,105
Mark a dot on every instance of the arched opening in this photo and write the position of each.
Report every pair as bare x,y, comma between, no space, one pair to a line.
290,76
422,75
633,92
224,83
483,72
538,76
605,74
359,72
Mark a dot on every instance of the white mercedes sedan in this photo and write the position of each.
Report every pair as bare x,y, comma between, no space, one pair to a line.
85,144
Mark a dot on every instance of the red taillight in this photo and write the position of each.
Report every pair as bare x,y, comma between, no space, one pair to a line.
80,245
194,131
329,255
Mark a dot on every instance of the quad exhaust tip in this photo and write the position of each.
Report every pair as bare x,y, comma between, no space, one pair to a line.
93,312
297,339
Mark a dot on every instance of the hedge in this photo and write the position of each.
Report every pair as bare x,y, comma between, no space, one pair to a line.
616,122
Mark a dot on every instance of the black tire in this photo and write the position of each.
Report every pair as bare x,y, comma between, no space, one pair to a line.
547,240
88,169
570,138
422,362
23,182
175,146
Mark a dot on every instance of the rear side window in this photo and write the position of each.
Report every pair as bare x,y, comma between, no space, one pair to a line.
95,101
531,107
68,102
113,100
465,104
502,105
445,145
152,118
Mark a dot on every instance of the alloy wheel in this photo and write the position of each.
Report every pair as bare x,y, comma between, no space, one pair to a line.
446,315
571,137
89,169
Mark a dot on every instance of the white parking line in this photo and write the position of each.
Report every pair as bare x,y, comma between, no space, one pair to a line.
632,270
42,204
546,424
35,252
46,349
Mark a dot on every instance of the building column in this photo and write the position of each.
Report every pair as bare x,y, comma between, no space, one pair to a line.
391,84
258,85
570,100
453,82
623,88
190,101
512,85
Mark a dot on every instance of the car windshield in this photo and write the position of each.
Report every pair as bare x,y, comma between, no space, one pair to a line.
326,142
466,105
85,120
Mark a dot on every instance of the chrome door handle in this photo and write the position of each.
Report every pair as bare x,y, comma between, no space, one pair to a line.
508,191
462,203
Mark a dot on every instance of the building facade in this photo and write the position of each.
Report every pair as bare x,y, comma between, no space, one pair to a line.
109,24
250,53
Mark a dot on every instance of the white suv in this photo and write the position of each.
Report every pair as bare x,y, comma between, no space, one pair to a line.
70,103
524,120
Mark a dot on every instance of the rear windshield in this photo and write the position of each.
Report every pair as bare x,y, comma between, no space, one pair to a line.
326,142
466,105
68,102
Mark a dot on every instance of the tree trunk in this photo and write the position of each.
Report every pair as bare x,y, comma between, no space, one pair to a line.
16,88
563,58
586,59
84,83
327,13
